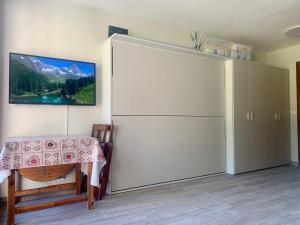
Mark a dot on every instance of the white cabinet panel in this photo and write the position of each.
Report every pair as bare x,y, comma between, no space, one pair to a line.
155,149
282,139
258,147
277,117
271,116
241,96
153,81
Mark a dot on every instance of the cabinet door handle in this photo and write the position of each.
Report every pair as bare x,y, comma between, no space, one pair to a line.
276,117
251,116
248,116
279,116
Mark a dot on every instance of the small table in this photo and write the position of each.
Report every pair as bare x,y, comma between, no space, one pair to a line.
22,153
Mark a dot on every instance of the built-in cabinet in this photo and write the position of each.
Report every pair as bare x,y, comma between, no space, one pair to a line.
167,104
257,116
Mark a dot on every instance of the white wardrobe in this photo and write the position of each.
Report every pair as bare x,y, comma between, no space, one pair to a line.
257,116
168,106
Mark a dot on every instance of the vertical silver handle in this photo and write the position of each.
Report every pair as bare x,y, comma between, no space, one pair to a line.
251,116
248,116
276,117
279,116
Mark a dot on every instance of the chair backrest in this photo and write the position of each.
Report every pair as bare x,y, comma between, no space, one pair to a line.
100,132
111,133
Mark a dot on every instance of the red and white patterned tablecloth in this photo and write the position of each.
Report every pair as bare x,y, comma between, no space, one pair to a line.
28,152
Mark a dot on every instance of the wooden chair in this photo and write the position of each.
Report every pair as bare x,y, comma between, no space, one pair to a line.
100,131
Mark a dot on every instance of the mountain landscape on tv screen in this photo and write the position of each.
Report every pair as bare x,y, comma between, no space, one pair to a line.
43,80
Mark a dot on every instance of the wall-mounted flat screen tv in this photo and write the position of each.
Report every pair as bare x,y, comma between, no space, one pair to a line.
44,80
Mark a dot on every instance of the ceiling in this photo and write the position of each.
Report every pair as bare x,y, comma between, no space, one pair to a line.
260,23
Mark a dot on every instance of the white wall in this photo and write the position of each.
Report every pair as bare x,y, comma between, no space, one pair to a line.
1,53
2,23
1,58
287,58
61,29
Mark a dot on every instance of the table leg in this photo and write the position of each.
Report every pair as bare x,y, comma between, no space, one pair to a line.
11,199
90,191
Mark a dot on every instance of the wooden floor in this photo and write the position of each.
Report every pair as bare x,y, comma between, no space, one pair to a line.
267,197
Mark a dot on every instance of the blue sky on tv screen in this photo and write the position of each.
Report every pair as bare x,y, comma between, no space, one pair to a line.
87,68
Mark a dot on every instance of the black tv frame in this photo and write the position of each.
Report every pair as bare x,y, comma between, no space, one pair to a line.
62,104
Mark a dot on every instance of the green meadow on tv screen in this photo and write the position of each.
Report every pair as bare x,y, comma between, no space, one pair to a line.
43,80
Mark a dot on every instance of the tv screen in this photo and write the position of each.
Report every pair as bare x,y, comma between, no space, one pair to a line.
44,80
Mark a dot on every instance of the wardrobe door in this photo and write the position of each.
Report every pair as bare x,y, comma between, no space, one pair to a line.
283,129
258,153
242,142
271,91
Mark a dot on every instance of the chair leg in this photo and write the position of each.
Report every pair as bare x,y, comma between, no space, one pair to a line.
104,182
96,193
11,198
106,172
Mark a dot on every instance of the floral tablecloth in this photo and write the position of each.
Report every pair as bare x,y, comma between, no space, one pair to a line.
28,152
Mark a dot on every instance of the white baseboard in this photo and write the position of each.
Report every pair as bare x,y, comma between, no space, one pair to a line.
164,183
293,163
